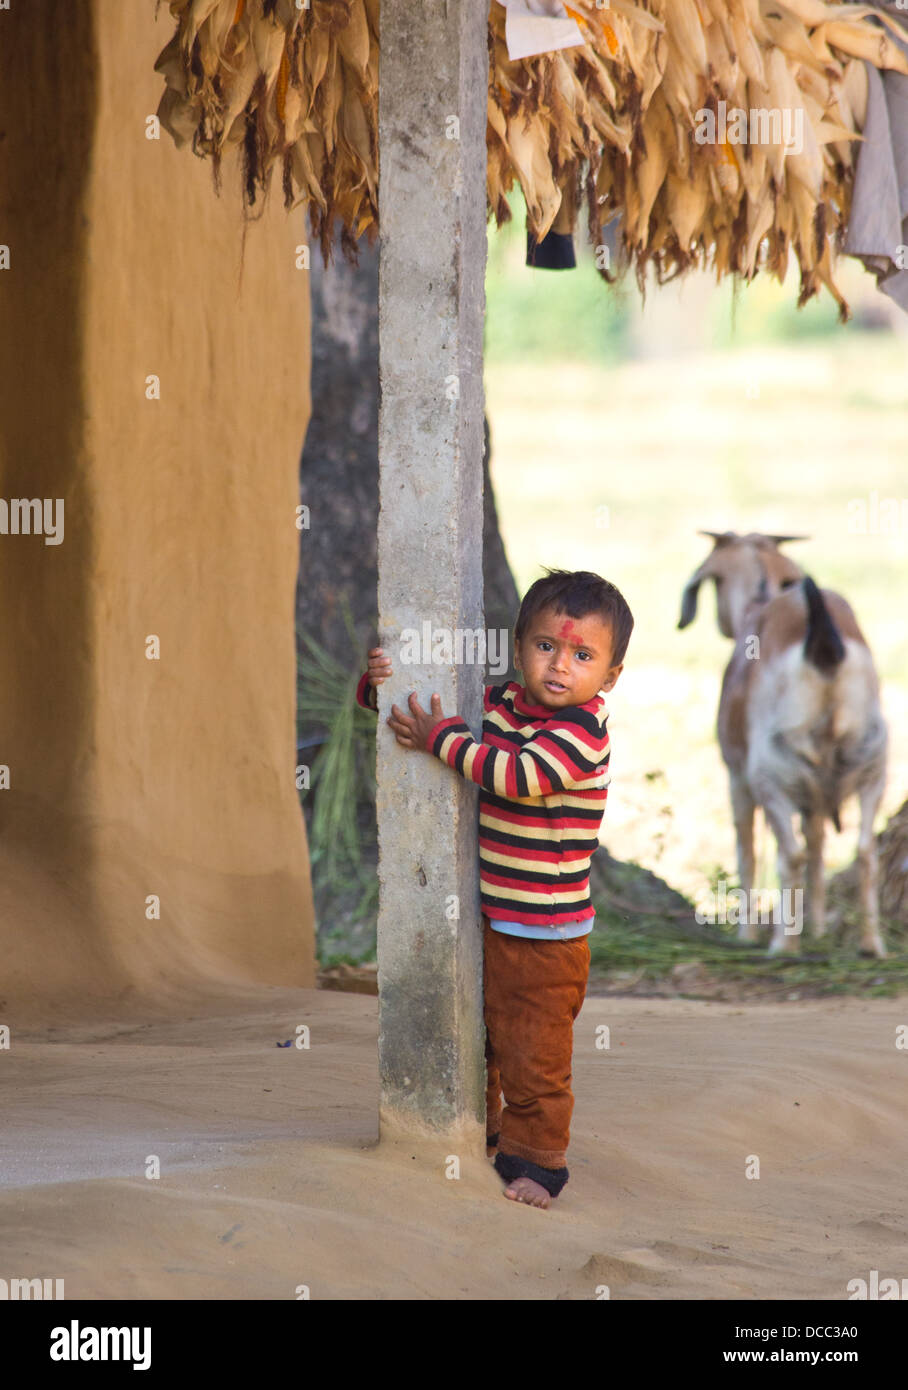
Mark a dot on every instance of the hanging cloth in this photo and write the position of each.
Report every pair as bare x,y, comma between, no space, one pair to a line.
878,222
538,26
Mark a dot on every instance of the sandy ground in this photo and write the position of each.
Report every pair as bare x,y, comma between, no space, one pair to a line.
271,1177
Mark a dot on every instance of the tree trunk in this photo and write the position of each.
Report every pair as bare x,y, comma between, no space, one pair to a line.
339,471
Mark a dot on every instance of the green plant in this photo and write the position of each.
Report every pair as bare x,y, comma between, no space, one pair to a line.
342,776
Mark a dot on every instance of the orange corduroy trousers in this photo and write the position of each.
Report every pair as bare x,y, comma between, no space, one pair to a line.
533,992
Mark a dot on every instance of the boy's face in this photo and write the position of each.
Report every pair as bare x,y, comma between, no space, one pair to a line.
565,661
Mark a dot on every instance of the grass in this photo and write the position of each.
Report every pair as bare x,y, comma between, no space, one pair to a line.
339,736
639,956
635,965
638,948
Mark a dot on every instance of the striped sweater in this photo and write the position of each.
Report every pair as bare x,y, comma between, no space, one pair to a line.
543,778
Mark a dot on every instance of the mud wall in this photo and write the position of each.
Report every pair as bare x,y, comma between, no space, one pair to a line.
132,778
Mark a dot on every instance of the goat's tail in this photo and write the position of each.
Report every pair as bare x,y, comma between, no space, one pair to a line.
823,645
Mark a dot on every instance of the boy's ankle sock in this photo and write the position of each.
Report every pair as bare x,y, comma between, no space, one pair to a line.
509,1166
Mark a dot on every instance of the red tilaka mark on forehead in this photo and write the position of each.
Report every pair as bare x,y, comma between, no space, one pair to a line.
570,634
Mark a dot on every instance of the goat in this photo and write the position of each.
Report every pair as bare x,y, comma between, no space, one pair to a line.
799,724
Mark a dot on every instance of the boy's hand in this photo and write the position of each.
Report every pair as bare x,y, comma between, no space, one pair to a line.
379,667
412,730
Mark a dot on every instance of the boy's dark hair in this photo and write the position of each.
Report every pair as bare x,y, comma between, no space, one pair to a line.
577,594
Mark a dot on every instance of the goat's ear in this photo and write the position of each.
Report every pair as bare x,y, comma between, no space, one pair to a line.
780,540
689,603
689,597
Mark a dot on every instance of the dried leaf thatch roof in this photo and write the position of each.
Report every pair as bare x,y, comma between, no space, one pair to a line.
613,123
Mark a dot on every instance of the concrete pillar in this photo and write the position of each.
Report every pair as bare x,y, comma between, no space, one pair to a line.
432,122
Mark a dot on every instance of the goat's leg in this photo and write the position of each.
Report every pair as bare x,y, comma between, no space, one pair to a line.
743,808
787,930
814,827
868,870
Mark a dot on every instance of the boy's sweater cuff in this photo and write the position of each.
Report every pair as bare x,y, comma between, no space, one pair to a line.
365,693
439,732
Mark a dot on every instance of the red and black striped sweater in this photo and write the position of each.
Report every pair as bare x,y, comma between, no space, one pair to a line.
544,782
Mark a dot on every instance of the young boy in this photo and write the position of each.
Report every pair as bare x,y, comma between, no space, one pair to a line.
542,767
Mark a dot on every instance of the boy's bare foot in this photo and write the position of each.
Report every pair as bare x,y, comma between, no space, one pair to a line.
528,1191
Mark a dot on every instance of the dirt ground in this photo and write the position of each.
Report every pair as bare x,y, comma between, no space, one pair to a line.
271,1178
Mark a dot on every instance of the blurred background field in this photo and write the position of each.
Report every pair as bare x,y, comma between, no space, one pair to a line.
620,429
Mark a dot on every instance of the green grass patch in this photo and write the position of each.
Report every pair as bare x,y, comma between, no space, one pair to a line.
636,947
